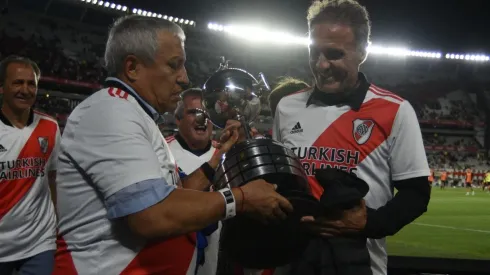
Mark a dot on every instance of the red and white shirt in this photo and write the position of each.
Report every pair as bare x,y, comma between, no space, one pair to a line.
111,144
381,142
189,162
27,214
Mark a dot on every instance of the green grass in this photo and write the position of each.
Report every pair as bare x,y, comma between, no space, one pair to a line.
455,226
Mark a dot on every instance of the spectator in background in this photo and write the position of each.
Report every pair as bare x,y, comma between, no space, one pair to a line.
29,154
469,182
191,148
285,87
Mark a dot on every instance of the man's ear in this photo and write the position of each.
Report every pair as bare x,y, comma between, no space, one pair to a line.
132,68
363,54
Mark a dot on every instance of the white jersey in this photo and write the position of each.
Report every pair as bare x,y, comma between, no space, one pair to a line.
380,142
27,214
188,163
111,143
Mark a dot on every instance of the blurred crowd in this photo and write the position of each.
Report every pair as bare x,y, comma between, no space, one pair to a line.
50,57
64,52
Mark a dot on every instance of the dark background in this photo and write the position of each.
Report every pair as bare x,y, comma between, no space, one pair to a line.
437,25
447,25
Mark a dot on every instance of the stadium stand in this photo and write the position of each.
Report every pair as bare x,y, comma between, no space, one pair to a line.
70,57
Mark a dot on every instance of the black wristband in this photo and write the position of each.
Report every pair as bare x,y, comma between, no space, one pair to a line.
208,171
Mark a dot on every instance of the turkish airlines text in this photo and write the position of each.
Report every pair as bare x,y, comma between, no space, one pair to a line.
22,168
314,158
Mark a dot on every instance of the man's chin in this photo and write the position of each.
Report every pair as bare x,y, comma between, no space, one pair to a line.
330,88
22,106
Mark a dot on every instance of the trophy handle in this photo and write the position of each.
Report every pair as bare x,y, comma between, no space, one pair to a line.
244,125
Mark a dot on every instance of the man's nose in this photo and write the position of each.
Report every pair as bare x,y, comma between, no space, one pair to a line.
323,63
183,78
25,89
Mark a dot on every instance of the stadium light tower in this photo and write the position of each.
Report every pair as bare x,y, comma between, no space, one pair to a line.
261,35
468,57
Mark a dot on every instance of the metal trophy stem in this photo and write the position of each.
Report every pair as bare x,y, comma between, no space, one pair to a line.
232,93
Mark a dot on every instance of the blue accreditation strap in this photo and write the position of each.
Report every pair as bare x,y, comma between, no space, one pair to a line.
201,236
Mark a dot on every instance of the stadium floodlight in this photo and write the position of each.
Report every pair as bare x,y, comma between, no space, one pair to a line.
176,19
468,57
259,35
435,55
94,2
140,12
135,10
124,8
390,51
118,7
165,17
113,6
159,16
186,22
101,3
145,13
107,4
170,18
181,21
192,23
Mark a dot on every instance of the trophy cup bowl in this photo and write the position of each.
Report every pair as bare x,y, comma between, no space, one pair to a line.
233,93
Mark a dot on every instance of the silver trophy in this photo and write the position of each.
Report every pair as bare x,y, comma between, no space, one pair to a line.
233,93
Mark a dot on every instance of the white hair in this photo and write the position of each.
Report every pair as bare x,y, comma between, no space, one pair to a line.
136,35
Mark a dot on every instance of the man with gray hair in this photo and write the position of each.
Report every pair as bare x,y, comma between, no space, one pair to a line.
122,208
365,130
191,147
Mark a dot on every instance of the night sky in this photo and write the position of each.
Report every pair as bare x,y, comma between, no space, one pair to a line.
446,25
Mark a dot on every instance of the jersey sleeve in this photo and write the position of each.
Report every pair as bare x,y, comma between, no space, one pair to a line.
407,151
113,146
53,159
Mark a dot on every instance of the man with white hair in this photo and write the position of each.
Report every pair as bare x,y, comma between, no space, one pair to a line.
364,130
121,206
191,147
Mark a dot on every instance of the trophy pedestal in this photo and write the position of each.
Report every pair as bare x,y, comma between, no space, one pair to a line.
249,242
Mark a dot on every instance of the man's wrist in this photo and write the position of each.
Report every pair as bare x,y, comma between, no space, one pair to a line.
369,227
230,203
239,198
214,161
208,171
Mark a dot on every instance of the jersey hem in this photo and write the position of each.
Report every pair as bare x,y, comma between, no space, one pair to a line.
409,175
40,249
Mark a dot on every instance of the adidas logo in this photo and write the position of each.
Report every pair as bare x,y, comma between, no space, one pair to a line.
2,149
296,129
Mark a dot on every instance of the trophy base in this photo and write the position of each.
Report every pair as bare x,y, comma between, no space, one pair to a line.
252,244
247,241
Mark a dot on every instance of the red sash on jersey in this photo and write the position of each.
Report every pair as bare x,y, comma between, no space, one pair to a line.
12,191
169,257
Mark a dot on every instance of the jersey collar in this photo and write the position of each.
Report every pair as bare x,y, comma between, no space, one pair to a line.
7,122
354,99
117,83
184,145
